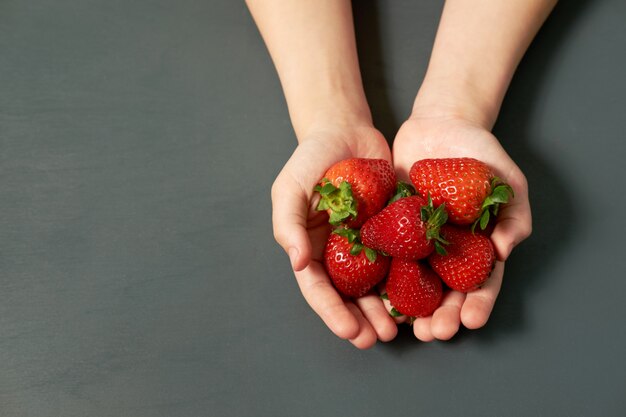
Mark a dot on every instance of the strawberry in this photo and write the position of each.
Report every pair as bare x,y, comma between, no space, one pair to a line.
468,187
413,288
353,268
355,189
407,228
469,260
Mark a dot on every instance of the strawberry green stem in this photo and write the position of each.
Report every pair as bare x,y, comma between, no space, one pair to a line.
354,237
434,219
500,194
402,190
338,201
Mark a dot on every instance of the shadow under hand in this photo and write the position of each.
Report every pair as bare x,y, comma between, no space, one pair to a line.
549,193
371,59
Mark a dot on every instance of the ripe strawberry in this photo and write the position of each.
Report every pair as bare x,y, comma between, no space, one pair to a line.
413,288
469,261
355,189
353,269
467,186
407,228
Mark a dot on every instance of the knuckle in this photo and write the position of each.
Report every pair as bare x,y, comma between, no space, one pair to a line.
279,235
528,230
275,189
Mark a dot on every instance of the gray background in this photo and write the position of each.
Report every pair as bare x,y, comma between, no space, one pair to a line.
139,276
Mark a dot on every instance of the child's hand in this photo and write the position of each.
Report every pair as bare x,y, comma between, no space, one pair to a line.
440,137
302,231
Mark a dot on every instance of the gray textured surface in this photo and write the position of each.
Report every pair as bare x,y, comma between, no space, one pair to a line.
138,274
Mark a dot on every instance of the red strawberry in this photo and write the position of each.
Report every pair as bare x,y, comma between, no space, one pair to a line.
353,190
467,186
413,288
353,269
469,260
407,228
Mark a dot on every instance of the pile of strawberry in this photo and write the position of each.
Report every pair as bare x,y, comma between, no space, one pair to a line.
418,238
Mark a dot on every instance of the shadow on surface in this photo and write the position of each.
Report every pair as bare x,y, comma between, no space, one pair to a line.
371,59
548,190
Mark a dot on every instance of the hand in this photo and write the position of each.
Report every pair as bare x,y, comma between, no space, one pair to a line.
439,137
302,231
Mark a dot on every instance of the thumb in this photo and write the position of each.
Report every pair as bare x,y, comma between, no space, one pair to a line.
290,208
513,226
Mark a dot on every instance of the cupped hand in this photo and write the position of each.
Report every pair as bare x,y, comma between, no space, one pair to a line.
444,137
302,231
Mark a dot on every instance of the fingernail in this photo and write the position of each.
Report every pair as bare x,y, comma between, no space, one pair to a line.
293,256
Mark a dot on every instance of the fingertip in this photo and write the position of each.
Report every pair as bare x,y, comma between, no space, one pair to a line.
365,341
388,333
422,329
299,253
444,328
289,219
297,261
365,336
444,331
374,311
479,303
447,318
474,317
345,327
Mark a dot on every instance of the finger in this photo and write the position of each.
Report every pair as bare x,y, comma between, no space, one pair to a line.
290,208
366,337
447,318
326,302
422,329
479,303
374,311
514,223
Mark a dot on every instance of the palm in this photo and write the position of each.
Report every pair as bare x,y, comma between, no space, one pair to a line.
369,144
439,138
297,224
431,138
317,152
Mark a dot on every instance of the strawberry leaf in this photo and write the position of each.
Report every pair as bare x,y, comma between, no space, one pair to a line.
326,189
434,219
339,201
438,217
395,313
336,218
384,296
500,194
370,254
484,219
402,190
440,249
351,234
356,249
427,211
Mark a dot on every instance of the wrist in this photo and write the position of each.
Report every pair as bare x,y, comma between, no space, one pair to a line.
456,98
334,112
